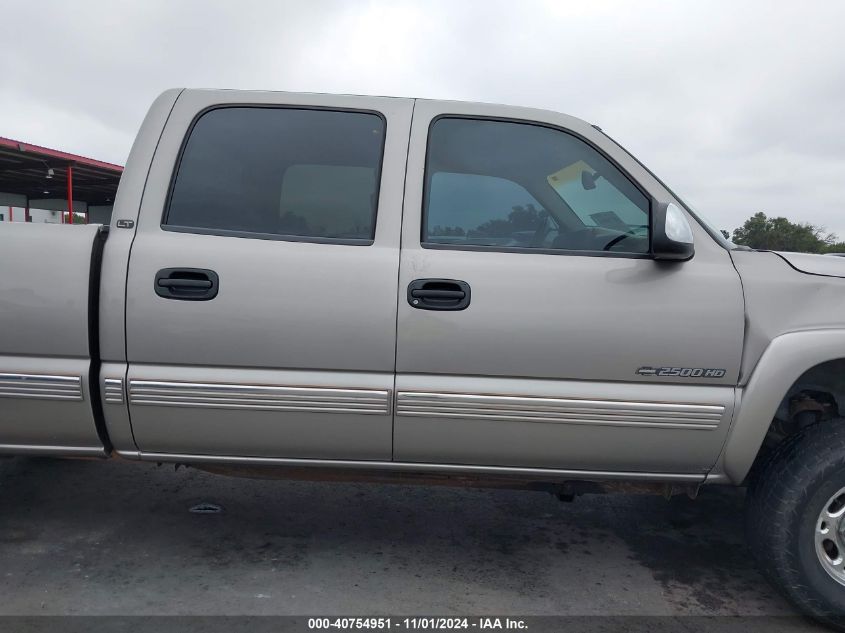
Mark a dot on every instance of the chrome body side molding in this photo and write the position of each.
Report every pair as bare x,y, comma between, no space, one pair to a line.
113,390
539,474
59,451
576,425
658,415
41,386
259,397
133,455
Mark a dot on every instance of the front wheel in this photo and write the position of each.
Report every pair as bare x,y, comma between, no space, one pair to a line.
795,520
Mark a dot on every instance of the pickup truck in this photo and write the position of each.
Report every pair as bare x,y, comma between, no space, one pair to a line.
374,288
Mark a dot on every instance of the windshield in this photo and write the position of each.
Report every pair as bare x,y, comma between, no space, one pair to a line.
705,221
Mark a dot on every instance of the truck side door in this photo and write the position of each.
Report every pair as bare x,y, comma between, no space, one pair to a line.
261,296
534,327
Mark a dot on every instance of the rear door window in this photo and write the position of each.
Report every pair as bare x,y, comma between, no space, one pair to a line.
284,173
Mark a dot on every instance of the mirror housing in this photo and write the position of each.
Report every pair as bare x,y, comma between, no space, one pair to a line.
588,179
671,233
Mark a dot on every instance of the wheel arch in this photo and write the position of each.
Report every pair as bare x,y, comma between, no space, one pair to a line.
785,365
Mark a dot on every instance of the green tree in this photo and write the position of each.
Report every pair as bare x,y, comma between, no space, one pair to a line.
779,234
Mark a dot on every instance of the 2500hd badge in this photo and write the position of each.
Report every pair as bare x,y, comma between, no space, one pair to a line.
683,372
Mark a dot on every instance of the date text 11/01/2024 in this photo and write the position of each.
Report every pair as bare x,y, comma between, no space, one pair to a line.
417,623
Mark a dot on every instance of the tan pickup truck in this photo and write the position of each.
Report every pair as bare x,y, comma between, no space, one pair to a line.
368,287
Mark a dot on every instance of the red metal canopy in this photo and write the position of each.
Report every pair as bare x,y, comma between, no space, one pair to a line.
40,172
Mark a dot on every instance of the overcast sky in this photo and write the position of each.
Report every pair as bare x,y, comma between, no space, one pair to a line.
739,106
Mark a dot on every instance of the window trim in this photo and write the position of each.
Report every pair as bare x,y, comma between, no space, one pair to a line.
282,237
523,249
527,250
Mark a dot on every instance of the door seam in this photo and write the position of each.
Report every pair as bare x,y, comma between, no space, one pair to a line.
398,294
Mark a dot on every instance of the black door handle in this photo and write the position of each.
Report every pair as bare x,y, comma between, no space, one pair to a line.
438,294
184,283
187,284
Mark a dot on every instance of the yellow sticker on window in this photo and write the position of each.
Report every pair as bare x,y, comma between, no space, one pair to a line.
568,174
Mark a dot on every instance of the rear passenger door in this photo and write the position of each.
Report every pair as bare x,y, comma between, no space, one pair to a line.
532,315
261,299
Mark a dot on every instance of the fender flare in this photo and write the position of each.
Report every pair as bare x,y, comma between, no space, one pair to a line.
786,358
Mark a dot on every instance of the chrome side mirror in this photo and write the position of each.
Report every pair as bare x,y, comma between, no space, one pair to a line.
671,233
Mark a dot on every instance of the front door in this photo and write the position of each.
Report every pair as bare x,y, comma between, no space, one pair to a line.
534,327
261,298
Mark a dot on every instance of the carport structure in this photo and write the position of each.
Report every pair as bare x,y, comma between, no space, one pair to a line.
35,177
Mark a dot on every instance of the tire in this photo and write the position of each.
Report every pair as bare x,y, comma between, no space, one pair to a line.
784,508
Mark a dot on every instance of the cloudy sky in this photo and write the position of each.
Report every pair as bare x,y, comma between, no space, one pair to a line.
739,106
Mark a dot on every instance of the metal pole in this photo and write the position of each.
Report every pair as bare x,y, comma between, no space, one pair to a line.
26,216
11,214
70,194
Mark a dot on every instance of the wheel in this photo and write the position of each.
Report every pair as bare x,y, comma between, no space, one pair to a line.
795,520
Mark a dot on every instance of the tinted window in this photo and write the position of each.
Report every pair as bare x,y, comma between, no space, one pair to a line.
485,210
514,185
311,174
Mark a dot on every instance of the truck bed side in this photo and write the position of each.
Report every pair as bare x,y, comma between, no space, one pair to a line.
49,401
